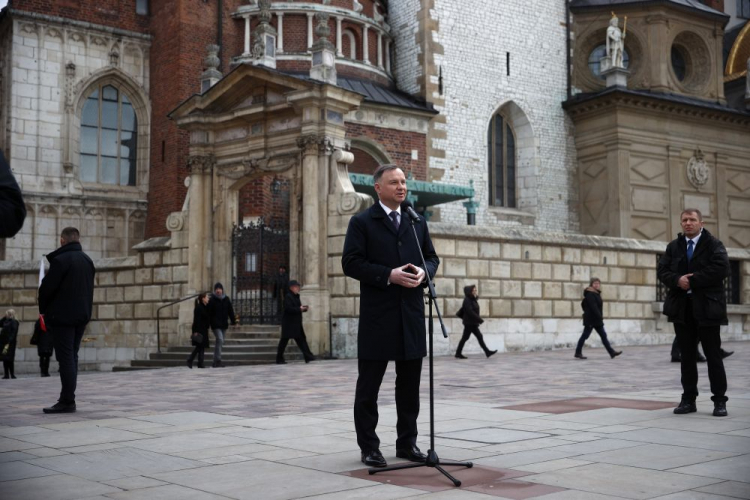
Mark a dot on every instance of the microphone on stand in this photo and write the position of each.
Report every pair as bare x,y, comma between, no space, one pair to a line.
407,207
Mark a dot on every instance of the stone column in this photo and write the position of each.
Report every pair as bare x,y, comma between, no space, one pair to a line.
365,45
618,175
339,43
674,170
380,50
280,36
247,36
388,55
200,222
309,30
660,53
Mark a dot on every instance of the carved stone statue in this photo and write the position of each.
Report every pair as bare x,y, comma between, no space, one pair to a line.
615,42
357,7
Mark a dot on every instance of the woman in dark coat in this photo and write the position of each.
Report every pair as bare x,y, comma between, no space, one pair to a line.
291,325
201,324
8,337
469,314
44,347
593,318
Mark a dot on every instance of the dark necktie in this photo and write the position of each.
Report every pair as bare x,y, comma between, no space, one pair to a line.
690,250
394,218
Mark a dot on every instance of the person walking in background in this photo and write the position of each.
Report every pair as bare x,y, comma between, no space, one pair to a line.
8,337
220,314
44,347
469,314
291,325
66,298
201,324
280,288
12,206
593,319
693,269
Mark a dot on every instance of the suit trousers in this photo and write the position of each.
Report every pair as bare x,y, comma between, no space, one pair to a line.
688,335
67,341
301,343
408,375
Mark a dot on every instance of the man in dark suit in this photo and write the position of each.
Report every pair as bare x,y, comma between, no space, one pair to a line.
381,253
693,269
12,207
66,297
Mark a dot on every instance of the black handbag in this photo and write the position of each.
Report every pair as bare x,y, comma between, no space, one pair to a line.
34,338
196,338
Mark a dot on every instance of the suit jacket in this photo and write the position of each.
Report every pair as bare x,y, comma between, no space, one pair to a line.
291,321
66,295
12,207
709,265
391,317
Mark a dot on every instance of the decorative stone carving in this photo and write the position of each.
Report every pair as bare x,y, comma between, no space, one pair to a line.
348,201
70,77
697,169
311,144
114,57
212,73
199,164
380,18
356,6
616,41
251,166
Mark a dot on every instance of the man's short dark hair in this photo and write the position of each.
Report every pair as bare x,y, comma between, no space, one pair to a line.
381,170
692,211
70,234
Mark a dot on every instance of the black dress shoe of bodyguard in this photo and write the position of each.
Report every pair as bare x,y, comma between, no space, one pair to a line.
580,356
726,354
461,356
685,407
490,353
61,407
720,409
373,459
412,454
614,354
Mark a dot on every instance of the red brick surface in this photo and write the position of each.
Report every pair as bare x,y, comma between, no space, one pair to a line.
115,13
397,144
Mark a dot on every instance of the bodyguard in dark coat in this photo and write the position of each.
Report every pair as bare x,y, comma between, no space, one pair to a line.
291,325
201,324
44,347
380,252
66,298
469,314
693,269
12,207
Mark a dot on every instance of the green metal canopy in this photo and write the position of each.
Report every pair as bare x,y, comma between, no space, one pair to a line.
423,194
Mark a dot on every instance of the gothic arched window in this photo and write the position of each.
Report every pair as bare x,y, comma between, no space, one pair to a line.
501,154
109,138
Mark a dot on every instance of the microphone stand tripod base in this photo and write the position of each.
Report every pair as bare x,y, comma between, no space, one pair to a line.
432,461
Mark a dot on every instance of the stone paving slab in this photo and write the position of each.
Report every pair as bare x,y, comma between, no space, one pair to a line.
537,425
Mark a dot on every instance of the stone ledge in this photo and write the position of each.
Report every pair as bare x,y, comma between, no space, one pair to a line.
152,244
26,266
731,308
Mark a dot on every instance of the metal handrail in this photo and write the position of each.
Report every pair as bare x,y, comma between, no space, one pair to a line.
158,324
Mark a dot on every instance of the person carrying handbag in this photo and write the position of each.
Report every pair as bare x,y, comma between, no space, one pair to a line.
469,314
199,336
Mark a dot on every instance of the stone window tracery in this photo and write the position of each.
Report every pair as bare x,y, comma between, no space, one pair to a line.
109,136
501,154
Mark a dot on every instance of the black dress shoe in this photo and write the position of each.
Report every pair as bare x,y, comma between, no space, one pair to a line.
490,353
614,354
412,454
720,409
726,354
580,356
685,407
461,356
61,407
373,459
190,364
307,360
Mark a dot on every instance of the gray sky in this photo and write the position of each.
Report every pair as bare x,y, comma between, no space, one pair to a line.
3,3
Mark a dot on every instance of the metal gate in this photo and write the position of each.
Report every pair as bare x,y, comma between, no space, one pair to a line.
258,249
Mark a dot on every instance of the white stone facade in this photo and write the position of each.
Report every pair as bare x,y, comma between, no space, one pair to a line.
473,39
49,68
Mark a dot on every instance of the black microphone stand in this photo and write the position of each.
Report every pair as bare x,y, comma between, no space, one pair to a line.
432,458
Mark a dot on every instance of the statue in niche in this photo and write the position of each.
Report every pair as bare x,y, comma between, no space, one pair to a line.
357,7
616,41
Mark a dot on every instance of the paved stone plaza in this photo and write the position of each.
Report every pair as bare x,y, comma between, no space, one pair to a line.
535,424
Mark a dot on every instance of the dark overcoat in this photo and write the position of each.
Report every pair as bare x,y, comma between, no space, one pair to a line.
391,317
470,307
201,322
220,311
66,295
44,346
592,307
12,207
9,337
709,265
291,321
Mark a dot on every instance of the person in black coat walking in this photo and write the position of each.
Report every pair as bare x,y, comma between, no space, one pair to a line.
66,298
201,324
44,347
8,338
469,314
291,325
381,253
693,269
220,314
12,206
593,319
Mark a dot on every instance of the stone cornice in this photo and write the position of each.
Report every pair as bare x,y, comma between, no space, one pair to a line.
78,24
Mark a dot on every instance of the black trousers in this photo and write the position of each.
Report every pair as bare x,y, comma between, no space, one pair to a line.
688,335
301,343
676,349
468,330
67,341
587,332
44,365
199,351
8,369
408,375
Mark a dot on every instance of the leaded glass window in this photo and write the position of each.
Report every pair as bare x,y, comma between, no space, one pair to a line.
501,153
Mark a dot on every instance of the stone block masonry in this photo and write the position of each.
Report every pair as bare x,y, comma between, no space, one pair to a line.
530,287
127,293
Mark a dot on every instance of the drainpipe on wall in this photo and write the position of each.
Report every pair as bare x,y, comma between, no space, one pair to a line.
567,45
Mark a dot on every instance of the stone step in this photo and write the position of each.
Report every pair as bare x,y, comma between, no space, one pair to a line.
231,349
148,364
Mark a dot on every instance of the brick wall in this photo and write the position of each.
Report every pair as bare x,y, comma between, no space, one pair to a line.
116,13
127,293
530,287
398,144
